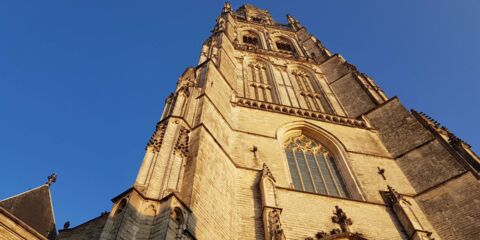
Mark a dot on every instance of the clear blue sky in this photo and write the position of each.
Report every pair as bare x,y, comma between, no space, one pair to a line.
82,83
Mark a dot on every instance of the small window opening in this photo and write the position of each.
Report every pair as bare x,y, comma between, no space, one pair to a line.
251,40
256,19
284,46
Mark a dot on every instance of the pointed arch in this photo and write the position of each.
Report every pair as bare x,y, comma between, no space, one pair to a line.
259,82
309,90
251,37
284,43
332,161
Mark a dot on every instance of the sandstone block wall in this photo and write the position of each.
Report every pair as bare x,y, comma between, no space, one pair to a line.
398,129
305,214
11,229
454,207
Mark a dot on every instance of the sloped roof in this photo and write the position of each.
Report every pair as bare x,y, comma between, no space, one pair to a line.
34,208
91,229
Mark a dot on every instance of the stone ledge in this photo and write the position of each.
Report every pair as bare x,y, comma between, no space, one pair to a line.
298,112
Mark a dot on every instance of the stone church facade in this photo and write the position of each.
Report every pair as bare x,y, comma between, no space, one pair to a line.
273,137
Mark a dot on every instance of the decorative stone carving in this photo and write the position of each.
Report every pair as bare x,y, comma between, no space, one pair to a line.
254,151
250,103
266,172
381,171
275,226
221,24
176,215
227,7
339,217
406,215
182,142
51,179
442,130
395,197
156,140
293,22
170,98
186,81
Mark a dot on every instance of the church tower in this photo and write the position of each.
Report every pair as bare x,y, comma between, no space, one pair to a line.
271,136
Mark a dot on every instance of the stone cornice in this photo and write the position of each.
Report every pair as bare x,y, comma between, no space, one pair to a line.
298,112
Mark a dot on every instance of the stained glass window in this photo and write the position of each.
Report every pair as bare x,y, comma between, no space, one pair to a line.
312,167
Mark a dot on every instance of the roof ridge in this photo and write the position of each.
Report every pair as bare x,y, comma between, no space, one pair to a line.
19,194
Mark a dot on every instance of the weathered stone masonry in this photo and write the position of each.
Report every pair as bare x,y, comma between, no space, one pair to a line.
271,136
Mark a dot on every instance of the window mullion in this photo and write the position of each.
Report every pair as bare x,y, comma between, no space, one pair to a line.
331,173
320,172
310,172
298,170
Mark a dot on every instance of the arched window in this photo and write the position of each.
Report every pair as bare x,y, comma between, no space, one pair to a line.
260,83
251,38
311,95
313,168
284,45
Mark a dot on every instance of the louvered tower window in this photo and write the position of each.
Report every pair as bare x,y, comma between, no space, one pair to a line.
251,40
313,168
284,46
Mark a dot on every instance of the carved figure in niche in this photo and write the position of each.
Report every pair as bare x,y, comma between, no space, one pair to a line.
276,231
269,39
395,197
176,215
221,24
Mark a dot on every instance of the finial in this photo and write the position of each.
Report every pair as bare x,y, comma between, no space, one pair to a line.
293,22
341,219
227,7
51,179
266,172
